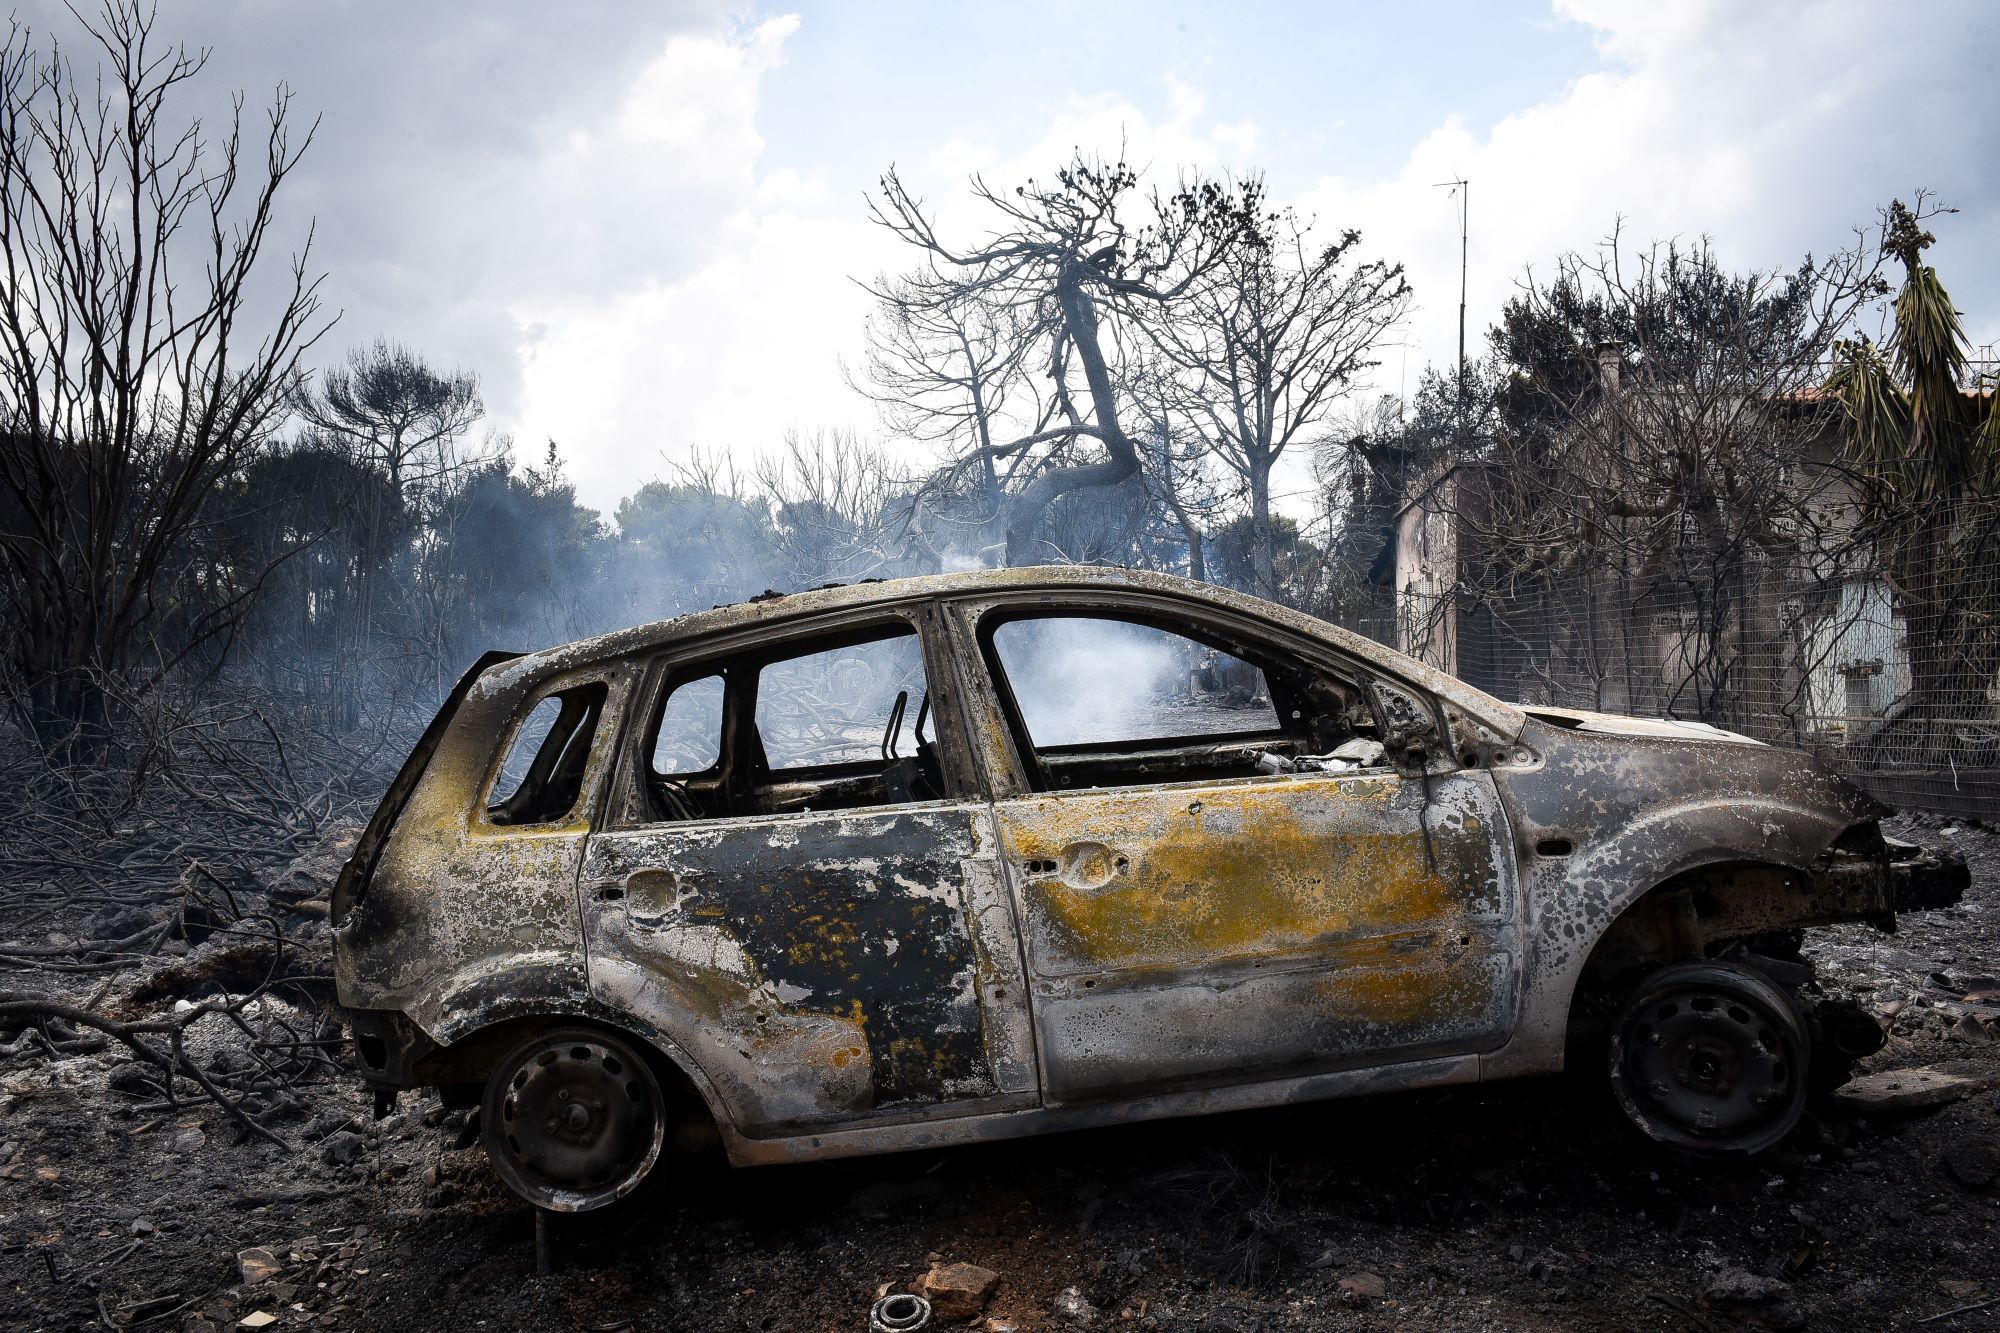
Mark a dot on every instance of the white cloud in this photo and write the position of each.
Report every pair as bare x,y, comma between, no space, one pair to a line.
727,354
724,359
736,336
577,201
1776,129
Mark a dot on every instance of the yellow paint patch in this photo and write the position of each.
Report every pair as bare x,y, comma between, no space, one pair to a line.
1228,874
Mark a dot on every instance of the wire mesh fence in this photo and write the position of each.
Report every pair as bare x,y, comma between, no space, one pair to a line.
1878,653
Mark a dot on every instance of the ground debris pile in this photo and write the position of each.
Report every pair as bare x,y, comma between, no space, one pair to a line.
131,1197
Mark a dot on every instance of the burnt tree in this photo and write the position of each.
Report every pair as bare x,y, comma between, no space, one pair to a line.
1068,266
1268,343
136,370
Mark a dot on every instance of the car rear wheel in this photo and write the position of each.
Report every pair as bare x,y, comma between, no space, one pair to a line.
573,1119
1710,1058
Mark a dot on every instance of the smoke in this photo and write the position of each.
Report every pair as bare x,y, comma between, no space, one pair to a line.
1079,680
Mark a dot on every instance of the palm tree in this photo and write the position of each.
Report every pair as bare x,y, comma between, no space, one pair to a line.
1922,434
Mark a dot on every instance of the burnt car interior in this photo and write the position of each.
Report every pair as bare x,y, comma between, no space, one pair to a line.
543,773
1101,699
826,723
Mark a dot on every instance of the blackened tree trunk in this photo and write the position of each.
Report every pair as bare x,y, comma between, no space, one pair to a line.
130,384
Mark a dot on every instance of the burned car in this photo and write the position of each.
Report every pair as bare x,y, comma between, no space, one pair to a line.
920,862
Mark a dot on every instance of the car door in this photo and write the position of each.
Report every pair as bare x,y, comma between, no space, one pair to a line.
796,879
1201,899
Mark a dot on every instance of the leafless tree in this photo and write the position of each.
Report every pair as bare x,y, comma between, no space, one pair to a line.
1269,340
946,373
1177,475
131,378
833,508
1067,263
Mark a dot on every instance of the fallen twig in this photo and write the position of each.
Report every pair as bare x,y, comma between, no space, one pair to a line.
1963,1309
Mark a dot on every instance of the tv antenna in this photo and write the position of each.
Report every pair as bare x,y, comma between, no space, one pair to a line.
1461,190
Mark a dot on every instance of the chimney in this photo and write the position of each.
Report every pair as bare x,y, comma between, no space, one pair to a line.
1610,358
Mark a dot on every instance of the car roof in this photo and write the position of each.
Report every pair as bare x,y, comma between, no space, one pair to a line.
775,609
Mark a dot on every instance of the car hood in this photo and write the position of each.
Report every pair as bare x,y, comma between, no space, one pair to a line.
1616,724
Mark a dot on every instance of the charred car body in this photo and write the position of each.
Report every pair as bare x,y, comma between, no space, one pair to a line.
925,861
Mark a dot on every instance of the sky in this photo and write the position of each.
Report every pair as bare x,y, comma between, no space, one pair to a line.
645,226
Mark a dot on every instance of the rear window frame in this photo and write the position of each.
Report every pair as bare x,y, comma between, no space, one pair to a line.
582,813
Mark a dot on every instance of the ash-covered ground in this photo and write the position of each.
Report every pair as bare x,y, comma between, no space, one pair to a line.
1512,1207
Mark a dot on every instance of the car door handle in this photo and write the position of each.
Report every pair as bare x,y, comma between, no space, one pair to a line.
647,882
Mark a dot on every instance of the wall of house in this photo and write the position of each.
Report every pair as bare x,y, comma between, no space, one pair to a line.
1427,579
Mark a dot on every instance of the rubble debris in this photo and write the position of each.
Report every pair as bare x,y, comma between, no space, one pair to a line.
135,1078
257,1264
1762,1302
879,1198
1897,1091
899,1312
1363,1289
344,1148
1986,1304
1072,1305
1973,1163
1351,756
957,1290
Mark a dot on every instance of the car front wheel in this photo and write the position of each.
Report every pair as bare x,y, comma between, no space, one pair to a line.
1710,1058
573,1119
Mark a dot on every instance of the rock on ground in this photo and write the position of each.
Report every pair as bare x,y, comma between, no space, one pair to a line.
957,1291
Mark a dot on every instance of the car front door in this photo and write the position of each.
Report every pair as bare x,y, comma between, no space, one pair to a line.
795,883
1207,892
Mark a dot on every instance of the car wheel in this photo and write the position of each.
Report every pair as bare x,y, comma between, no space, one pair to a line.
573,1119
1710,1058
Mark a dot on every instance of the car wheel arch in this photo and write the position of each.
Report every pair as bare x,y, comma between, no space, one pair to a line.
477,1048
1577,904
1660,926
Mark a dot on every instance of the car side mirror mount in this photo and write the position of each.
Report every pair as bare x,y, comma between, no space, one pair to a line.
1409,728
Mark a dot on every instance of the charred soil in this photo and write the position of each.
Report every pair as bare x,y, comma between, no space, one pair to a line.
1515,1206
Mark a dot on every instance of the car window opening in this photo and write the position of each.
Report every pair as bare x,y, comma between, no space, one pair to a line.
1106,701
836,724
543,772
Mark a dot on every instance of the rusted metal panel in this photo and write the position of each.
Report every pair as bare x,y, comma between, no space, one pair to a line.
907,975
456,903
852,1140
1638,810
818,966
1239,929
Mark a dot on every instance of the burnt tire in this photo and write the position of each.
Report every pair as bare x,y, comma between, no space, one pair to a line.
574,1119
1711,1059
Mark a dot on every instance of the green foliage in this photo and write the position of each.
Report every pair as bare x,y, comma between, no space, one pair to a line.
1667,324
1916,431
1925,445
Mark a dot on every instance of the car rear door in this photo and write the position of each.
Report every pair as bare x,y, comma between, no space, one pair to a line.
804,891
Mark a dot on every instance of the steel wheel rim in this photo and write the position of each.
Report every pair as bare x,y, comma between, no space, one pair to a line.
573,1120
1712,1061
